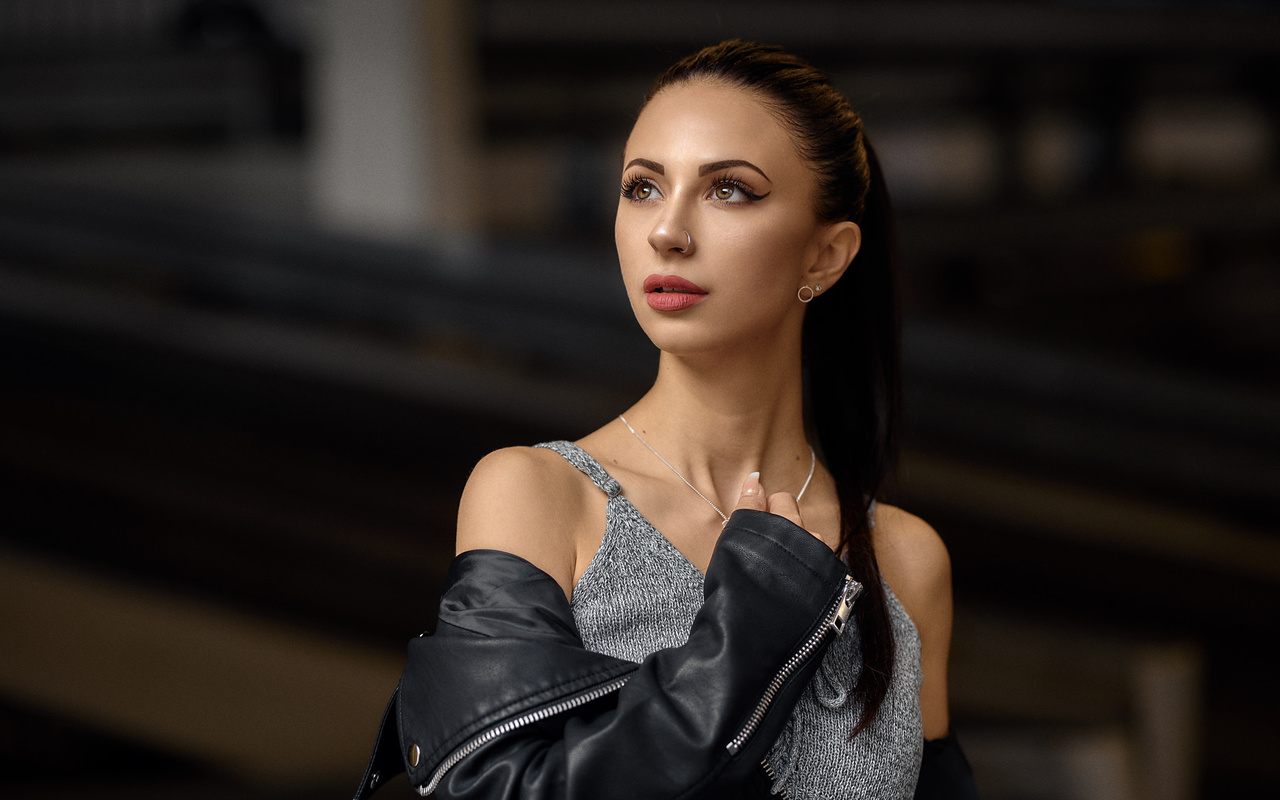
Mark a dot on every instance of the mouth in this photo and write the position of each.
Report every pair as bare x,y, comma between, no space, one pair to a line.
671,293
663,284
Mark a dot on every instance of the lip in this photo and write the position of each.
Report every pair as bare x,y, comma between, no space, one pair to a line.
671,292
671,283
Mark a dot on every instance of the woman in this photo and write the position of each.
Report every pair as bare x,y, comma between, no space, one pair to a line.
583,653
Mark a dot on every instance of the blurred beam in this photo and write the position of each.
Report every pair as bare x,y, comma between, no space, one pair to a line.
1042,507
395,98
930,236
1168,703
1098,411
921,26
264,702
348,359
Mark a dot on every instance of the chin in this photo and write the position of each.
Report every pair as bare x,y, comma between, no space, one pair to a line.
683,337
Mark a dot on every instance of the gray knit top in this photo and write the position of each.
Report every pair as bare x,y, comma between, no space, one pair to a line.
640,594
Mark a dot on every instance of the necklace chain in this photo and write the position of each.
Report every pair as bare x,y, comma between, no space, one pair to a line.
813,461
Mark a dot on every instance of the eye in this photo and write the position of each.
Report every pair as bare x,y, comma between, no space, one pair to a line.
728,193
640,189
731,190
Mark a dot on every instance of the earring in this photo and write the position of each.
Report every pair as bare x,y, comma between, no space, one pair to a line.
813,292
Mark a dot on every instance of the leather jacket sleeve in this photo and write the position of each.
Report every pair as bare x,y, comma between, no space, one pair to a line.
507,647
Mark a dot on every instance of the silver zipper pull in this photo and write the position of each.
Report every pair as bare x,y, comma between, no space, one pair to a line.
852,589
835,620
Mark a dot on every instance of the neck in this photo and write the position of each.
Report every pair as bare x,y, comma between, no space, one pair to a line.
717,417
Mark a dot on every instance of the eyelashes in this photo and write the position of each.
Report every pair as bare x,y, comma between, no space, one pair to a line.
640,189
728,181
633,182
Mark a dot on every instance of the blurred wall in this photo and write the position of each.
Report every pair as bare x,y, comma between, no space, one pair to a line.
274,275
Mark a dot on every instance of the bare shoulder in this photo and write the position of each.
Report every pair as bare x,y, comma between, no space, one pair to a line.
915,563
526,501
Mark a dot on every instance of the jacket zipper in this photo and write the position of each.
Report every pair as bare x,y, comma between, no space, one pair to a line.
773,777
835,621
518,722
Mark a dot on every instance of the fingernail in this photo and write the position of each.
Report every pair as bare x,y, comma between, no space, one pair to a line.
751,486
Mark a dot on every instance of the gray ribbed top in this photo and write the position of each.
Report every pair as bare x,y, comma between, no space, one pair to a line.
640,594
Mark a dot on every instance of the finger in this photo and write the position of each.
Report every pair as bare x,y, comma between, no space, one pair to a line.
784,505
752,494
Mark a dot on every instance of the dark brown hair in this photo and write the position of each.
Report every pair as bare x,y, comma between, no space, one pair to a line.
851,339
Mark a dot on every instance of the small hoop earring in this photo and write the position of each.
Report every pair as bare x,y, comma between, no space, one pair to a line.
688,243
812,293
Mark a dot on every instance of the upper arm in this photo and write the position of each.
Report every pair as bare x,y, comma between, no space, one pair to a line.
915,563
524,501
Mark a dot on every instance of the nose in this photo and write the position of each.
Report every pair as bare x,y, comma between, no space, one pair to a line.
669,237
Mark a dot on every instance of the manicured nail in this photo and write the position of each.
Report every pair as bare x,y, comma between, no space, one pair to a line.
751,486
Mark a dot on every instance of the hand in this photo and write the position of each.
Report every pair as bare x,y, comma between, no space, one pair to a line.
781,503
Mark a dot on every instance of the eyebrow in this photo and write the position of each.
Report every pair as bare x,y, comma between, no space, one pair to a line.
702,170
732,162
647,164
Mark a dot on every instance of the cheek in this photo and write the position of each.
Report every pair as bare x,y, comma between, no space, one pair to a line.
627,231
629,255
763,266
633,258
772,253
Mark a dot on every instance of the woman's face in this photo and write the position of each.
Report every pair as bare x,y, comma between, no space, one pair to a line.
711,160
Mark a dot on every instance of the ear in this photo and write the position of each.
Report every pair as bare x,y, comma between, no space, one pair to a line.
835,246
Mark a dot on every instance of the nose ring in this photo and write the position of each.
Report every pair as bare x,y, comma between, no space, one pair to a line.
688,243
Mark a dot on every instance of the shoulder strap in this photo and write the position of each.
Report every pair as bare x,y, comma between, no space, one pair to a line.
585,464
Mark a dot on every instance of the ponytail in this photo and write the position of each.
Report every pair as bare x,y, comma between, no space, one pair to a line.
851,354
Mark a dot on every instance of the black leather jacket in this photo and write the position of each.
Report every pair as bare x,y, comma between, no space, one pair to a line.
504,701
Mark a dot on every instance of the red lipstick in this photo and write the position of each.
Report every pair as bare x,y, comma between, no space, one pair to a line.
671,292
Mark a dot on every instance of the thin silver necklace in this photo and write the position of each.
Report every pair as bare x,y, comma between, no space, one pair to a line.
813,461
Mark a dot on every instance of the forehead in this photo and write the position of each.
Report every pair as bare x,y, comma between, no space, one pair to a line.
702,121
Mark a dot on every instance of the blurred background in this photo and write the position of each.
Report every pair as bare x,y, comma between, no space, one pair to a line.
274,274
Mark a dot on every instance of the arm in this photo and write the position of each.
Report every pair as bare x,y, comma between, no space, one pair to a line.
916,564
528,502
